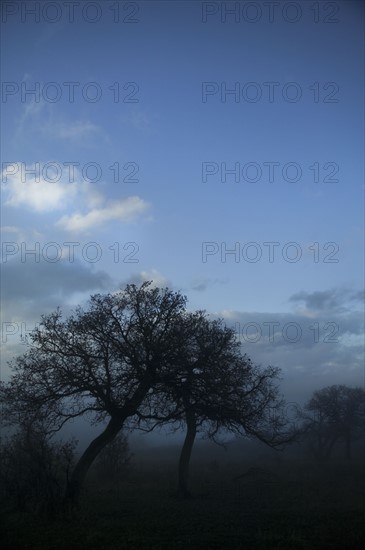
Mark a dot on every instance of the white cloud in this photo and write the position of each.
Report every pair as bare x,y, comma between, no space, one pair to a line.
9,229
35,187
38,118
35,192
38,192
123,210
74,131
229,314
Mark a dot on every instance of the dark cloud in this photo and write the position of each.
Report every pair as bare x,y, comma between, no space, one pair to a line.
199,285
358,296
268,330
45,281
332,299
312,351
30,289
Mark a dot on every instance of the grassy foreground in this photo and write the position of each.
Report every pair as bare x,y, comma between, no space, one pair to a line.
295,506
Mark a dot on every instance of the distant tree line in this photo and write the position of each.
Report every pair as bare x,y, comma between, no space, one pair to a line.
333,418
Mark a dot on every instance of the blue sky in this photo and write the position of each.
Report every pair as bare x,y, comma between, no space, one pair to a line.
165,136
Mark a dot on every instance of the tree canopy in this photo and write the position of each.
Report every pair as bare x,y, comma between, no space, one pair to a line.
138,356
214,388
100,361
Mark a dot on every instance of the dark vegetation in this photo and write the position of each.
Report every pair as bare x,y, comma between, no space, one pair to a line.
137,361
290,502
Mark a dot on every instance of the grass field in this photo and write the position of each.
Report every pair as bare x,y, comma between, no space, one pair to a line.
295,506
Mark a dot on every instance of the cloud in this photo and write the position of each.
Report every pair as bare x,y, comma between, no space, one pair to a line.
313,352
200,285
38,118
35,288
75,131
48,187
18,236
318,300
123,210
32,110
267,330
325,300
29,186
158,280
49,281
9,229
358,296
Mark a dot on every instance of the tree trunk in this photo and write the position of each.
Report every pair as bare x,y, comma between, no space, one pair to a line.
79,473
97,445
185,455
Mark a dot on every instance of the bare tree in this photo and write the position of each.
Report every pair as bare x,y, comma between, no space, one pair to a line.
99,362
213,389
334,414
137,355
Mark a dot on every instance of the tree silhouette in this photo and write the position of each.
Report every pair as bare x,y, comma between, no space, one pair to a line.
214,388
137,357
99,362
332,415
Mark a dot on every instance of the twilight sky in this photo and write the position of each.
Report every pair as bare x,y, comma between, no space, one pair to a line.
214,147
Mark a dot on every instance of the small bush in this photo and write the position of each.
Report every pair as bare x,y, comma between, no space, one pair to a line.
34,470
